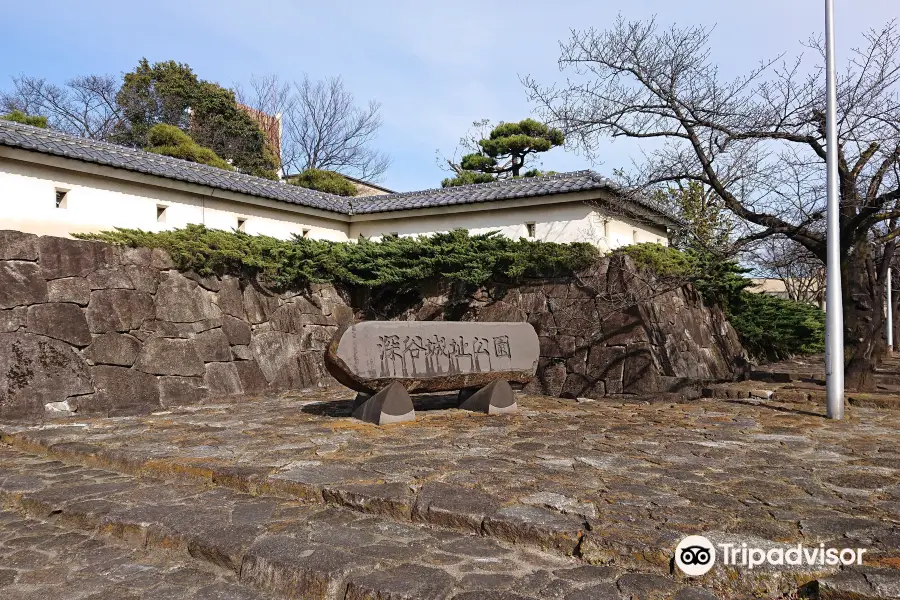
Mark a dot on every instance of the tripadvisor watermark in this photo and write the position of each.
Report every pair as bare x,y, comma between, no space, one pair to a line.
695,555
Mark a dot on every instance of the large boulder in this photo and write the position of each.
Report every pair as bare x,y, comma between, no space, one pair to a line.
277,355
21,284
230,298
62,257
212,345
120,391
432,356
113,349
59,320
169,356
69,289
182,300
222,379
179,391
259,303
16,245
118,310
36,370
236,330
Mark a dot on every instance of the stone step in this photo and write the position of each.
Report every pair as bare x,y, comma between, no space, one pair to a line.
797,394
292,549
40,560
445,505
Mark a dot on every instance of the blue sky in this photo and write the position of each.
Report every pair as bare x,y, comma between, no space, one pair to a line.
435,67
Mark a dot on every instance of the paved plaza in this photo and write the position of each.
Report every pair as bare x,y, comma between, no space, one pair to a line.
289,497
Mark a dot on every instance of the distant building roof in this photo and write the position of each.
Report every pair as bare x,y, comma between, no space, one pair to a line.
46,141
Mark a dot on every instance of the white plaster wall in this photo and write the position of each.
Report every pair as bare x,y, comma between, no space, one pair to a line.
99,200
96,203
560,222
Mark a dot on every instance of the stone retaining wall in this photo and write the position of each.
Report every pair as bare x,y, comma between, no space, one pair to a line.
611,330
92,328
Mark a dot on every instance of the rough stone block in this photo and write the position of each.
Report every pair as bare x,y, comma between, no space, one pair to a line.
62,257
36,370
180,391
241,353
296,568
575,317
62,321
277,353
454,506
531,524
404,581
169,356
236,330
120,391
316,337
69,289
212,346
640,374
391,405
500,311
16,245
104,278
621,328
259,304
291,317
181,300
21,284
607,364
118,310
230,299
12,319
160,259
135,256
222,379
252,379
549,378
558,346
113,349
144,279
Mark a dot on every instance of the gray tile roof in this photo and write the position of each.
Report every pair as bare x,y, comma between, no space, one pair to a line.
46,141
55,143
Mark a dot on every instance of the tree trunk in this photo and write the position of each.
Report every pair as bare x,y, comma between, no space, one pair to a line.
863,320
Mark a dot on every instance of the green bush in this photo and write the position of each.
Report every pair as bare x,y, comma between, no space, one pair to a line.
399,263
770,328
18,116
774,328
171,141
324,181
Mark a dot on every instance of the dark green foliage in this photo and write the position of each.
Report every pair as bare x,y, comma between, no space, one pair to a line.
324,181
19,117
770,328
149,95
399,263
774,328
171,141
467,178
163,93
504,152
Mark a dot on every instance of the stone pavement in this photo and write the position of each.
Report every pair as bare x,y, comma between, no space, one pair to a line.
565,500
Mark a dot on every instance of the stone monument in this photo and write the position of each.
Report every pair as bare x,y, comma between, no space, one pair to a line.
385,361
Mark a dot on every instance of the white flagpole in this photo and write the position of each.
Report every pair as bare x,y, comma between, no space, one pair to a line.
834,318
889,334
